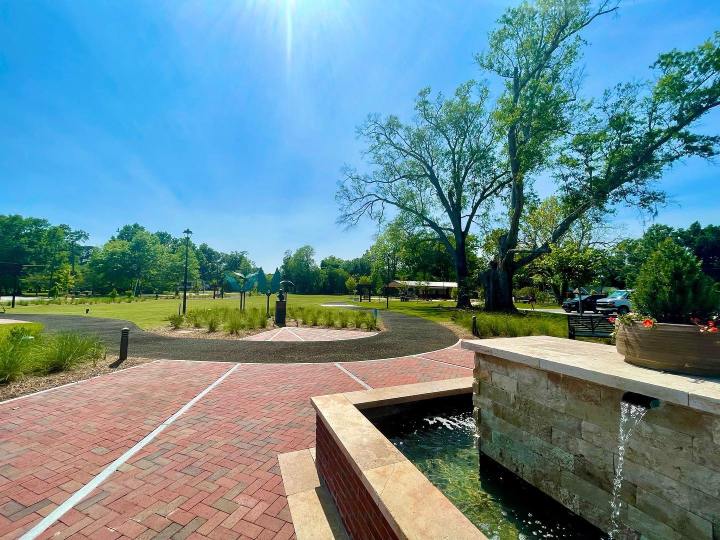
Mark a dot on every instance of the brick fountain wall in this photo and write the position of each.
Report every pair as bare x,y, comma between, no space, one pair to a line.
360,514
559,433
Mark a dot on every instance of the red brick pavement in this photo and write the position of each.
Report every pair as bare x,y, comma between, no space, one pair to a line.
453,355
211,474
54,442
407,370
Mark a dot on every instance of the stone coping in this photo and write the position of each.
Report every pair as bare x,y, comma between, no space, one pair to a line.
602,364
413,506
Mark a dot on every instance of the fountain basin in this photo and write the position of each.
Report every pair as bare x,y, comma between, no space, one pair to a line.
548,410
378,492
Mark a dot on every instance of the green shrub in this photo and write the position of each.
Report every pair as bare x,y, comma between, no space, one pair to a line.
22,329
62,351
672,288
343,317
175,320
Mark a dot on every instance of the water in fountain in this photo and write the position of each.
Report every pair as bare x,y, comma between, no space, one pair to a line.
630,416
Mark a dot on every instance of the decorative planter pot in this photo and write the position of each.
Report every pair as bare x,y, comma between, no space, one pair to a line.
679,348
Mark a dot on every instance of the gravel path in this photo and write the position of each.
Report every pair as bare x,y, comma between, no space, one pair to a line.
404,336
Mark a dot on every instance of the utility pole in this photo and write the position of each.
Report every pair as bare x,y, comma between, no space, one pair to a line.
187,233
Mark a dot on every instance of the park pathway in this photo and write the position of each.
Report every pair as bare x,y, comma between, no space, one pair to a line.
175,449
404,336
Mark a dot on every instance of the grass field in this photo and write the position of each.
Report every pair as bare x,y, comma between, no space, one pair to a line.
154,313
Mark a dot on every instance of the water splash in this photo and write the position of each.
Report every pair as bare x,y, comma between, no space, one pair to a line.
630,416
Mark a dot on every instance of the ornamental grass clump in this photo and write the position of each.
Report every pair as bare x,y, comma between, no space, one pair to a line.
358,318
64,350
213,321
672,288
234,323
513,325
176,321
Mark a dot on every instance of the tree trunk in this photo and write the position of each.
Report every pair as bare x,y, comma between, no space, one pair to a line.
557,293
463,278
497,281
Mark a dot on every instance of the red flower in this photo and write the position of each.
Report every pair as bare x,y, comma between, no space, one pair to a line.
647,323
711,324
712,329
612,320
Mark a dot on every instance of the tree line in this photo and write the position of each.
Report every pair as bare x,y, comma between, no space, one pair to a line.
57,261
136,261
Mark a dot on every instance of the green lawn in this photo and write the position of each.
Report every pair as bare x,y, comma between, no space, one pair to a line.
153,313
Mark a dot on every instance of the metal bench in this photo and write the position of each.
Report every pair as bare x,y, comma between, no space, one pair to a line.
597,326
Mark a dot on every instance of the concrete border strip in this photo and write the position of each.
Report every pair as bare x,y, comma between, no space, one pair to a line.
294,334
88,488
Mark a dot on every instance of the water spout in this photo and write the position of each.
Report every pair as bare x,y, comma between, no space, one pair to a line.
640,400
632,409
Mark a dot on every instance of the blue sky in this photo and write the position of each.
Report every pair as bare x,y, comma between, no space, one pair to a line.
234,117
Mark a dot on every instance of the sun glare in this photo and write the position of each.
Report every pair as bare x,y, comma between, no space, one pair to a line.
300,21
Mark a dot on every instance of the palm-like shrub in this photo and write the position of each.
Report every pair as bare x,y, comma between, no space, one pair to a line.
672,288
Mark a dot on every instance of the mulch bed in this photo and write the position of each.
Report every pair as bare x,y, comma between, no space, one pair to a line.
36,383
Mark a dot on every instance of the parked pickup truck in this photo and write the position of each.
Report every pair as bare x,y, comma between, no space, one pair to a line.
616,302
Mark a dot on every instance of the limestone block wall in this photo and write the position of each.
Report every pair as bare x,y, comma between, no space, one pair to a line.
559,433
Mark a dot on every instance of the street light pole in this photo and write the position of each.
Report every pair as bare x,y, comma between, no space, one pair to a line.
187,233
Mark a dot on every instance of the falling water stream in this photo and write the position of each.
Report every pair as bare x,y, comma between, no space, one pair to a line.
630,416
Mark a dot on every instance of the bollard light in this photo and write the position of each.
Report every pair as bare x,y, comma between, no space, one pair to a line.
124,337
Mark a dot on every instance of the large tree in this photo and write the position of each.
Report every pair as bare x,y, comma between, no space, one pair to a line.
436,171
603,153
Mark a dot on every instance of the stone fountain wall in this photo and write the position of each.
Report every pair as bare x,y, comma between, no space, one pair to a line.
559,433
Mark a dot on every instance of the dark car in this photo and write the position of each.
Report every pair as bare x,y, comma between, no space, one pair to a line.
588,303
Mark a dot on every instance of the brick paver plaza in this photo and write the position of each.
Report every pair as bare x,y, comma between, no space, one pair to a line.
212,472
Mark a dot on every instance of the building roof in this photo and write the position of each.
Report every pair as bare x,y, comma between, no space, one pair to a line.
396,284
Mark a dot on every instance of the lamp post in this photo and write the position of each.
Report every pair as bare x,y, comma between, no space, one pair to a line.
187,233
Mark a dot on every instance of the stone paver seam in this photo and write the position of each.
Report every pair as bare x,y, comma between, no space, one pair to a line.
76,382
88,488
441,361
353,376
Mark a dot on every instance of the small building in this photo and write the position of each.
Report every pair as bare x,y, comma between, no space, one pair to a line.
424,289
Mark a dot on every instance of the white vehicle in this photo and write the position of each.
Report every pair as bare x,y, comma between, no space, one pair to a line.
616,302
